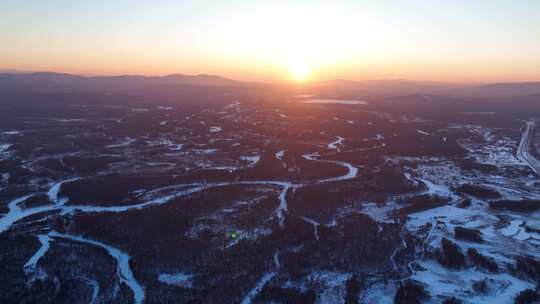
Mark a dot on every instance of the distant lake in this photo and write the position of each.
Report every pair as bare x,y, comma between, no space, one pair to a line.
334,101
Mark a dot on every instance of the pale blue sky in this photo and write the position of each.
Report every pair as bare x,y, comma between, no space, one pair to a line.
263,40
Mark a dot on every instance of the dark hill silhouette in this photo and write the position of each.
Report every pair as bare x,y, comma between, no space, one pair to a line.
62,82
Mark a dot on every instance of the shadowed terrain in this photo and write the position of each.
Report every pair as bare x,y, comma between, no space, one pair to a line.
213,191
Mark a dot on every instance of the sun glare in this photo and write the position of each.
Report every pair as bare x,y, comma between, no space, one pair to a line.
300,72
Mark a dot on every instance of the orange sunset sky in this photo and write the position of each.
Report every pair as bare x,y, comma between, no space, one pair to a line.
453,41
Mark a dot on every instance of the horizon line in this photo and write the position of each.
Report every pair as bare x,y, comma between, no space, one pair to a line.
307,82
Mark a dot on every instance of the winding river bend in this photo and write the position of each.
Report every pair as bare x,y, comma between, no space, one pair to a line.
125,274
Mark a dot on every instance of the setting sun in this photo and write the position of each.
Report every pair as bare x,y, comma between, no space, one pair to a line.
300,72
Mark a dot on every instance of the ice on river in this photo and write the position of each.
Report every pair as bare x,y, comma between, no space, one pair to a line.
31,265
124,272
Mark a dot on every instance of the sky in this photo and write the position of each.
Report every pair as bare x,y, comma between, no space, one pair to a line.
452,41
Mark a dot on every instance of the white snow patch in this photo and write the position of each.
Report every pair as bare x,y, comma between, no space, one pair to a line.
164,108
225,168
204,151
381,214
417,220
126,142
410,178
333,101
140,110
426,97
179,279
176,147
379,293
252,160
332,285
338,142
280,154
458,283
69,119
14,132
282,204
4,147
512,229
258,287
479,113
276,260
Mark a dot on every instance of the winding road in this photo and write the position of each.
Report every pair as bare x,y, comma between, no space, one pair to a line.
523,151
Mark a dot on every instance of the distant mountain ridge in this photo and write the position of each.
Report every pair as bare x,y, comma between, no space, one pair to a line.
201,79
518,88
397,87
57,82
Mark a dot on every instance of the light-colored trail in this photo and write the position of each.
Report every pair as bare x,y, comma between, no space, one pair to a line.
524,148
